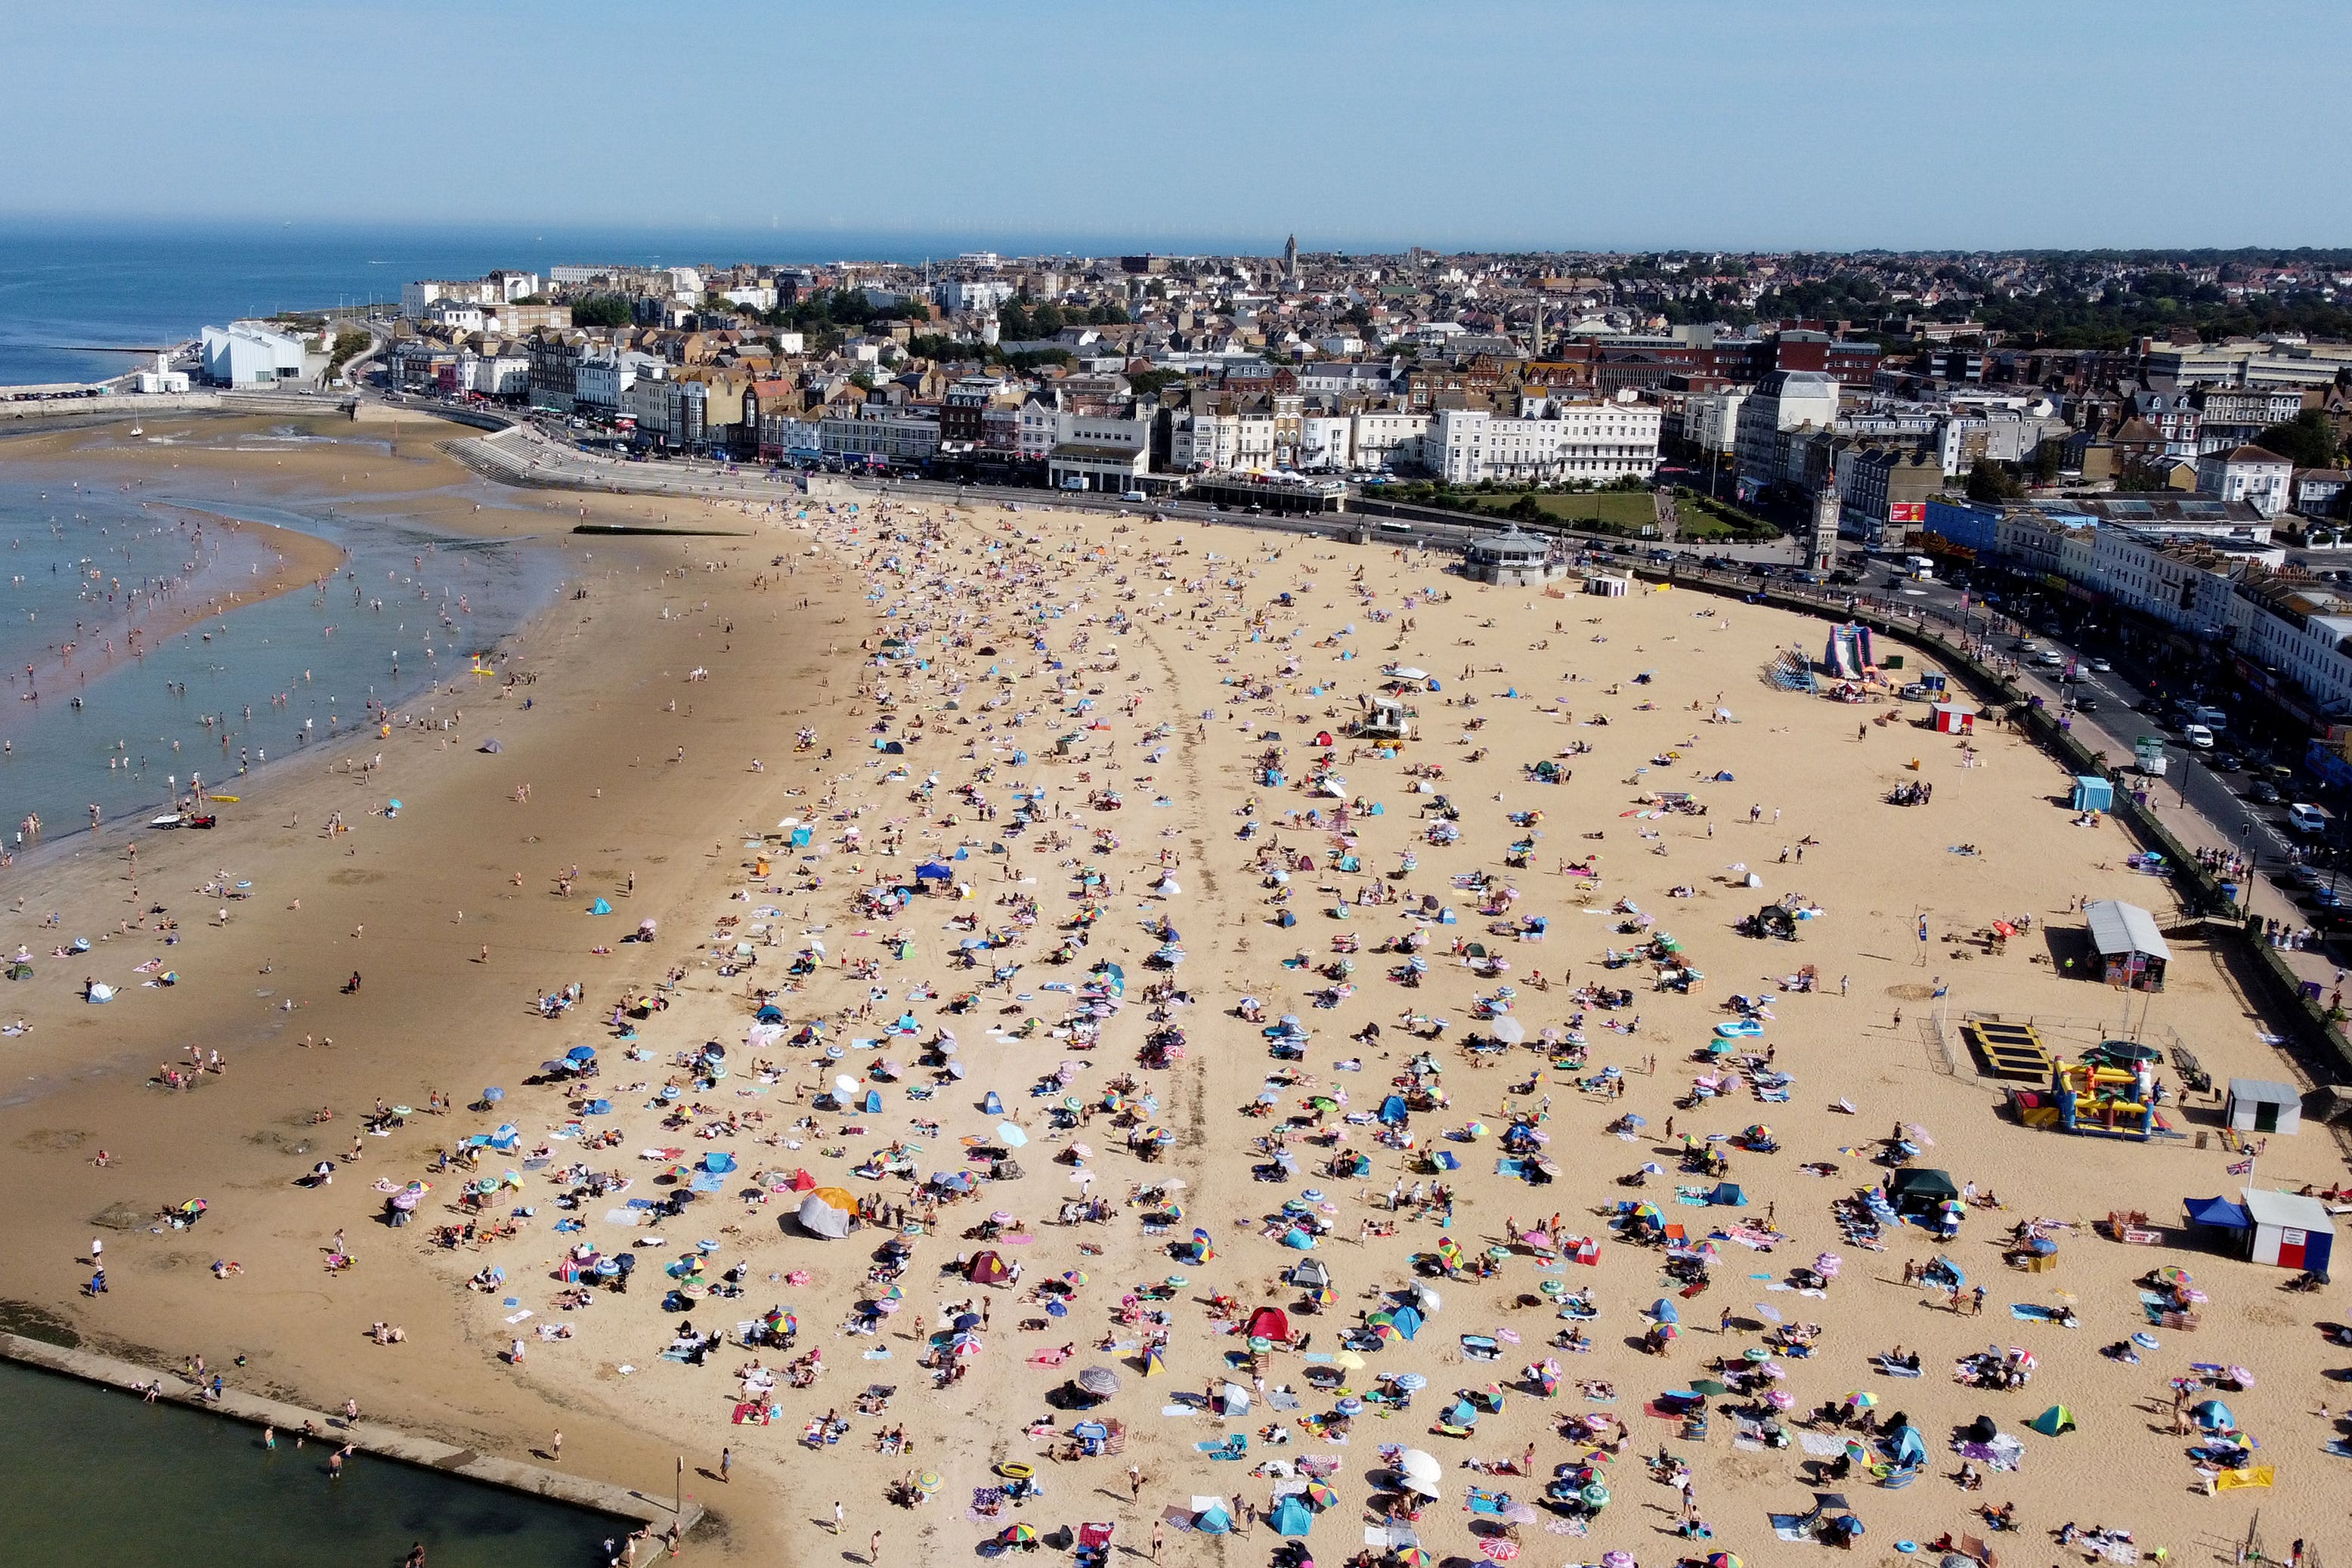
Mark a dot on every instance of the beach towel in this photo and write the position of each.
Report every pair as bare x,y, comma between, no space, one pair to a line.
1790,1527
754,1415
2031,1312
1821,1446
1891,1370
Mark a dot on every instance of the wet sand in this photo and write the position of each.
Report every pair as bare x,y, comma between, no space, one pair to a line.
408,903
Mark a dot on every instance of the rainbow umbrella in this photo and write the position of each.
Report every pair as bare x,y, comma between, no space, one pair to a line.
1320,1496
1724,1560
1498,1549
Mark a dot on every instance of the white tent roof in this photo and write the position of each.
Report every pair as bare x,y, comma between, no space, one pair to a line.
2119,927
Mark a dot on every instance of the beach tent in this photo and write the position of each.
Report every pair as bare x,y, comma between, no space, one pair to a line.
1664,1311
1727,1195
1155,1363
1269,1322
1311,1275
1919,1192
600,907
1393,1111
99,991
987,1268
1407,1322
828,1211
2050,1422
932,871
493,746
1214,1520
1909,1448
1291,1516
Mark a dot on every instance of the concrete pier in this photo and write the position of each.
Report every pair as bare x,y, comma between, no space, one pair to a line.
368,1436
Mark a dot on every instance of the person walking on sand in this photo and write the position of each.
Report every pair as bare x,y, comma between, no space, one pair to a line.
555,1447
1134,1482
874,1547
726,1463
837,1517
1155,1540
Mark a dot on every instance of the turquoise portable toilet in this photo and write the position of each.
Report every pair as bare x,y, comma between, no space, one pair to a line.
2093,794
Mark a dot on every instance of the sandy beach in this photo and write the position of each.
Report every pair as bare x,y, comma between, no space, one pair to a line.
1131,690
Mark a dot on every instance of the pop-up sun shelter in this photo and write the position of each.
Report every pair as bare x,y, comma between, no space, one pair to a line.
827,1212
1919,1192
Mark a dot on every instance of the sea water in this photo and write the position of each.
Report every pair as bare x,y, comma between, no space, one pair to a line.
409,610
92,1476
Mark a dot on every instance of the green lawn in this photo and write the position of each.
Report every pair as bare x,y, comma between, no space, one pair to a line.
1609,508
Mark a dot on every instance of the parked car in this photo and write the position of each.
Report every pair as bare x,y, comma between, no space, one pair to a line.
2265,792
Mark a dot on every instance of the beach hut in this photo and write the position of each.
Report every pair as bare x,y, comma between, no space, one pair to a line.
1954,718
2259,1105
2092,793
2131,950
828,1211
2289,1231
1918,1193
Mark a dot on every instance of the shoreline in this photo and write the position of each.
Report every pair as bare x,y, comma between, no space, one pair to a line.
302,559
367,1436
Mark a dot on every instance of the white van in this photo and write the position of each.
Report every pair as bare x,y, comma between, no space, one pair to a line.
2304,818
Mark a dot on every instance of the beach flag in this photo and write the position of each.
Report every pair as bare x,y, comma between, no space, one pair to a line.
2242,1168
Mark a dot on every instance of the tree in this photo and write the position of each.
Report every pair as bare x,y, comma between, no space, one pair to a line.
1012,322
1150,383
2307,440
1045,320
1992,482
351,340
602,311
2046,460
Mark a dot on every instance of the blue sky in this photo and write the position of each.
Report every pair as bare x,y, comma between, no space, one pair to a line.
1636,123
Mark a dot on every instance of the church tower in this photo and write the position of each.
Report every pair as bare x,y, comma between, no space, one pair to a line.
1290,258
